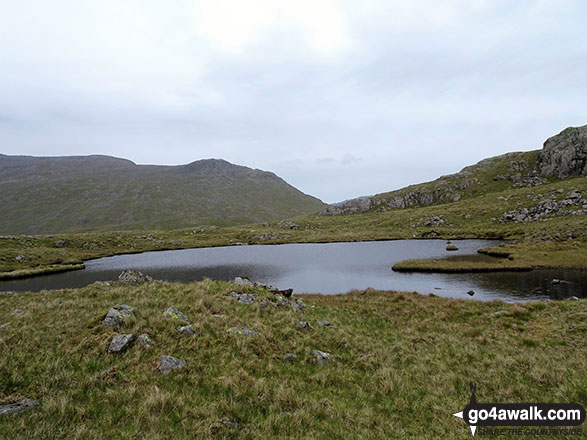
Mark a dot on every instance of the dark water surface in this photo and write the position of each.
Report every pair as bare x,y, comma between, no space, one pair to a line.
324,268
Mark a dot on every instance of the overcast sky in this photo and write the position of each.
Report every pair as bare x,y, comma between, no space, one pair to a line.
340,98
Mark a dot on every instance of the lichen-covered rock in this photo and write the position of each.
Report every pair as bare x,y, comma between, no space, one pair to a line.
169,363
321,357
117,315
242,332
145,340
281,300
134,277
17,406
173,313
565,154
187,330
120,343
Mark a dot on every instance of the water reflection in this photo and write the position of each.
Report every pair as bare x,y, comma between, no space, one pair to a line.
324,268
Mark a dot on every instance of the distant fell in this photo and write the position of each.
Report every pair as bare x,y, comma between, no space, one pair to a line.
102,193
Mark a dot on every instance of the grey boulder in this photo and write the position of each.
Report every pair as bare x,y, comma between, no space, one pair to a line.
117,315
169,363
120,343
187,330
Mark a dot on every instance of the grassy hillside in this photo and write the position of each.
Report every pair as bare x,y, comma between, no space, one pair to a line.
405,363
100,193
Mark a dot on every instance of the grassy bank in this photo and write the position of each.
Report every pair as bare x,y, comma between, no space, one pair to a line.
405,364
512,257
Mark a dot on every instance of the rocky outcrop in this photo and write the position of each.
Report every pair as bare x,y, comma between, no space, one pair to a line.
565,154
573,204
354,206
134,277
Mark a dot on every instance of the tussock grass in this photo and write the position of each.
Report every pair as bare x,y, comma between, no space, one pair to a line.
406,362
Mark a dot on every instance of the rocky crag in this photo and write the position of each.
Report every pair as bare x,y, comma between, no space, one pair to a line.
562,156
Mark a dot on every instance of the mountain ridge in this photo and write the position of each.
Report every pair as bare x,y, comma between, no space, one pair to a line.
100,193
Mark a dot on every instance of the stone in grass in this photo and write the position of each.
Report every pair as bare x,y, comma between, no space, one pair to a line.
289,357
242,332
145,340
304,325
21,405
169,363
451,247
321,357
281,300
324,323
230,423
173,313
2,326
117,315
185,330
17,312
120,343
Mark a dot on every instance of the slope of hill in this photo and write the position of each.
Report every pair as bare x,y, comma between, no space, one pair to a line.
101,193
563,156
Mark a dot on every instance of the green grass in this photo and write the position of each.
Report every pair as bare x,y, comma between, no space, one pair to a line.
406,362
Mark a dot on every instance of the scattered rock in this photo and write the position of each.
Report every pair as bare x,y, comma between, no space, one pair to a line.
185,330
324,323
145,340
304,325
499,312
19,257
243,298
230,423
117,315
242,332
120,343
173,313
288,224
168,363
471,292
289,357
17,312
2,326
17,406
281,300
59,243
572,298
131,276
321,357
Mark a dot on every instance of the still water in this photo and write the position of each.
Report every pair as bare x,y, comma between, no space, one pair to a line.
325,268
